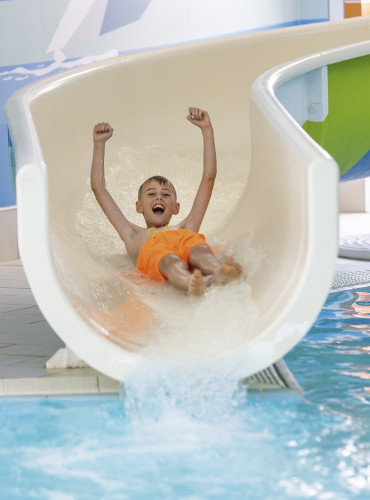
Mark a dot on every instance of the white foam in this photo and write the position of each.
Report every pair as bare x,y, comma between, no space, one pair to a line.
191,331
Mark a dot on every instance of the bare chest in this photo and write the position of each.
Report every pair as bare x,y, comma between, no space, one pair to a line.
142,236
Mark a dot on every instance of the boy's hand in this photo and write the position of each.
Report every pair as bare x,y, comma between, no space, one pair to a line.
199,118
102,132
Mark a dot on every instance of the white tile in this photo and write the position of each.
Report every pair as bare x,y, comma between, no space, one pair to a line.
30,350
107,384
18,327
20,319
19,309
13,273
26,372
23,366
29,338
16,270
41,326
26,310
25,300
8,234
49,385
21,362
14,292
13,283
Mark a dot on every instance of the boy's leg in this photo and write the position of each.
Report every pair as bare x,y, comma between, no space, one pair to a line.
178,274
201,257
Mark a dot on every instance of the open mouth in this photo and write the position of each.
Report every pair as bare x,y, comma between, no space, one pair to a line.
158,209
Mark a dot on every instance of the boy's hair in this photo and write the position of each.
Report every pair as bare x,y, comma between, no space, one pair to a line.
163,181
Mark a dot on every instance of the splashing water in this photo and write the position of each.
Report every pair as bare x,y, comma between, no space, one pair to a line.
211,324
193,362
155,391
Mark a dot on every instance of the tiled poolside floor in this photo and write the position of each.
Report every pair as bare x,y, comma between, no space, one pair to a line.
27,342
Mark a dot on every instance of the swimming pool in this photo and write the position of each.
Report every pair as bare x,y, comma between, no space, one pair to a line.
174,440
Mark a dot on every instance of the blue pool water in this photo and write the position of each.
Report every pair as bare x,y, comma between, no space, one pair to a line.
171,442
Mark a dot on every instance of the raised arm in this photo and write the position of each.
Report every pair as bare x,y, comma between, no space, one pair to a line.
127,231
201,119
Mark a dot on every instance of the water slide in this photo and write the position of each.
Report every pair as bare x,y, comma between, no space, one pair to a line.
343,133
274,208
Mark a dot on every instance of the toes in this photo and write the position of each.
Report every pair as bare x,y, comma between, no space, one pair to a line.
196,285
234,266
229,270
238,268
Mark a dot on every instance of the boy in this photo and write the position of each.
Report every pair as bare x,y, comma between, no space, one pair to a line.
176,253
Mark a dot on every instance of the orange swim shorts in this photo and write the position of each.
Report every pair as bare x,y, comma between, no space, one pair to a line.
178,242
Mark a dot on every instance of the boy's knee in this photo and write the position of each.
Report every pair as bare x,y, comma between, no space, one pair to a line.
169,261
198,250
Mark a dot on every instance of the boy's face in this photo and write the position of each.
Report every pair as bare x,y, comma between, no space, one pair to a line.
157,204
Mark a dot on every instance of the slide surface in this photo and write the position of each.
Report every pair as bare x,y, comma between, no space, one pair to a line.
274,206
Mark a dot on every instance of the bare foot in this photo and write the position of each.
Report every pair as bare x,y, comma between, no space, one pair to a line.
229,270
196,284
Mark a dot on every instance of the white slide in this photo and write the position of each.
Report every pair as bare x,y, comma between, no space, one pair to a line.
274,206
